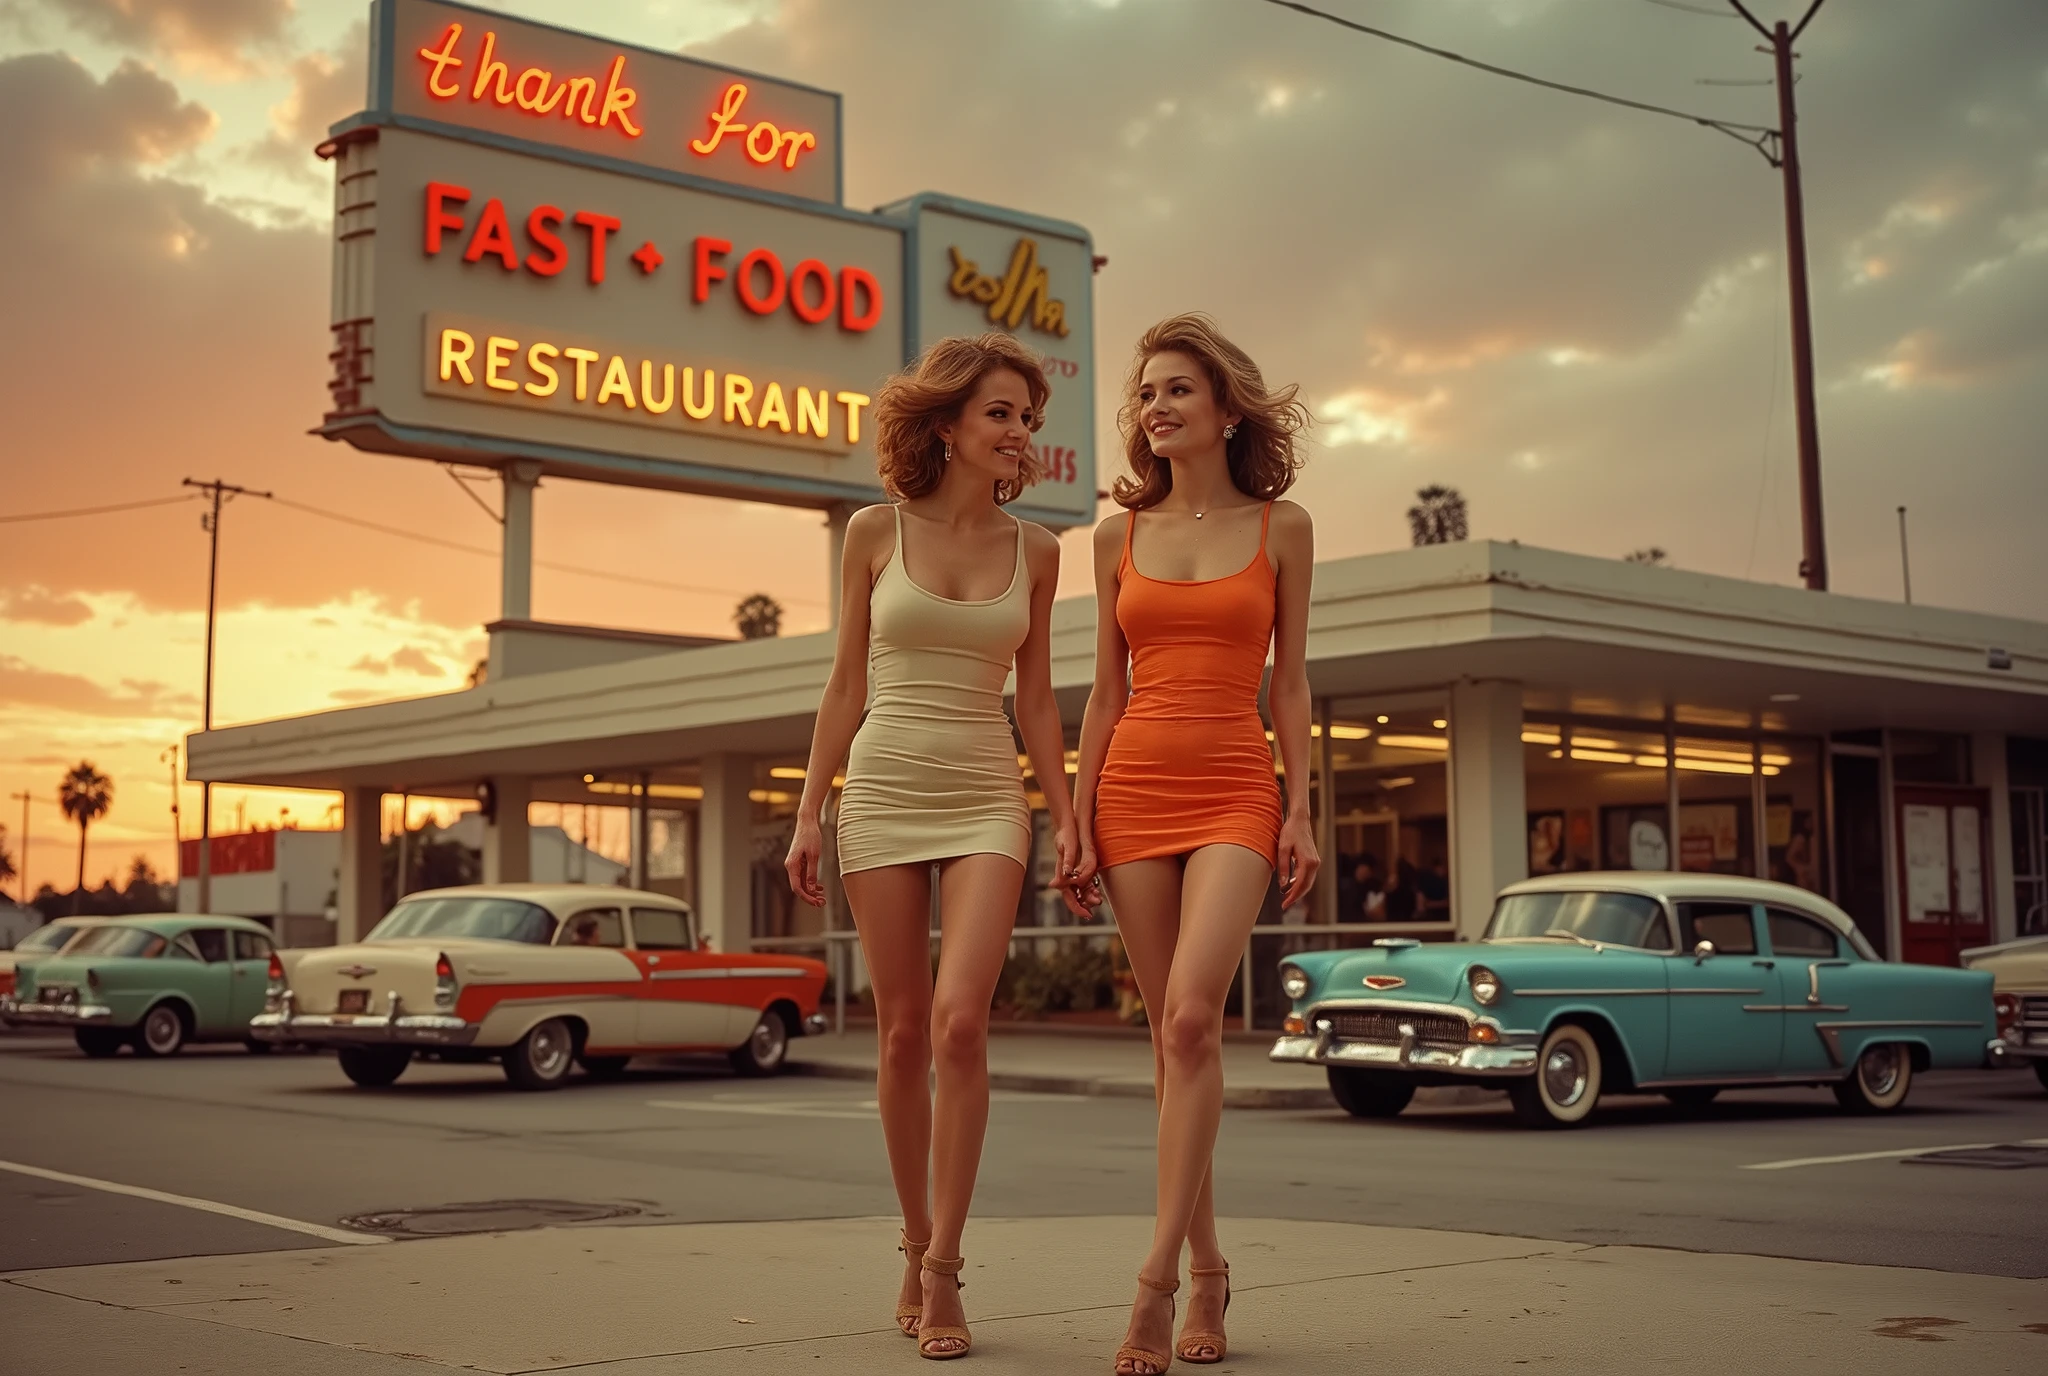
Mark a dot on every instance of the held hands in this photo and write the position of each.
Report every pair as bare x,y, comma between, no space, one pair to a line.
804,849
1077,880
1298,859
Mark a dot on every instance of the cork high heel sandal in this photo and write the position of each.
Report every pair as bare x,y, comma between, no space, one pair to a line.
1154,1363
908,1315
927,1334
1192,1341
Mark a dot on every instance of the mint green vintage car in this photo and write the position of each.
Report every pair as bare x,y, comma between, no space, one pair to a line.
153,982
1679,984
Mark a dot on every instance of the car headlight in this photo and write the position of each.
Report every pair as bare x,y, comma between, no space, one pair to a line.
1485,985
1294,981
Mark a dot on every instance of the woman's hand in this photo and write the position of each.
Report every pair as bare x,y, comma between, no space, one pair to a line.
804,849
1076,879
1298,859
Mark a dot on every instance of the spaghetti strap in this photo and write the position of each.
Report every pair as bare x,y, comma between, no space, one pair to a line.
1130,527
1265,522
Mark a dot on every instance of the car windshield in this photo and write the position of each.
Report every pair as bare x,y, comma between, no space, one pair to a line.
1617,919
48,938
493,919
119,941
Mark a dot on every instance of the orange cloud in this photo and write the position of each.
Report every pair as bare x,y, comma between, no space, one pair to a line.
214,34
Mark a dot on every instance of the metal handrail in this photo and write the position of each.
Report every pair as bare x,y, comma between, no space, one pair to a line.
836,943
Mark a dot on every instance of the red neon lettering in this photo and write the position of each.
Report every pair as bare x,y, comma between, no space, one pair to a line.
443,58
492,235
438,218
743,281
851,282
599,226
540,227
810,269
705,272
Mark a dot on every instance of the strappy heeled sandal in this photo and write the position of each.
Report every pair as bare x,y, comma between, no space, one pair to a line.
1131,1352
1190,1338
929,1333
904,1310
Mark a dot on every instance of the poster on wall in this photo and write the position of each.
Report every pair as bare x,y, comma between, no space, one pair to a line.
1709,836
1647,848
1969,861
1924,836
1546,842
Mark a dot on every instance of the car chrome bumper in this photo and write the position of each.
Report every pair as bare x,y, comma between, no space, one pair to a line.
56,1014
816,1025
407,1029
1500,1059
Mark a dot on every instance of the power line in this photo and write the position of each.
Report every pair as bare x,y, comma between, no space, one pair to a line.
1692,9
1758,136
99,510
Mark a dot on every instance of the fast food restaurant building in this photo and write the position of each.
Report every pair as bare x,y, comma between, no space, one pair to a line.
691,307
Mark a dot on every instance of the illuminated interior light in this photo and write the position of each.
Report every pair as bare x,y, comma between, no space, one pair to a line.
1542,736
1345,731
785,771
653,790
1440,723
1606,756
1401,782
1381,720
1416,742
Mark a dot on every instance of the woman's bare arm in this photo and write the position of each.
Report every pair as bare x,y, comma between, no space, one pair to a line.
1293,540
1038,715
1112,690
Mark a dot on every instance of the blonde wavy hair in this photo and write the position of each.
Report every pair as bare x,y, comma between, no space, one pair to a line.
914,403
1264,456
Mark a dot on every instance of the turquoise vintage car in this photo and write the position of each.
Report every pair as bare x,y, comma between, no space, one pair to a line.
154,983
1680,984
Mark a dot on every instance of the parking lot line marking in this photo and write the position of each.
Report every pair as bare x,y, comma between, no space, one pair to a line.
766,1110
1883,1155
187,1201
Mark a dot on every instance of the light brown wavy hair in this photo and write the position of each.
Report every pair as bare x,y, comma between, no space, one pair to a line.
1263,454
934,390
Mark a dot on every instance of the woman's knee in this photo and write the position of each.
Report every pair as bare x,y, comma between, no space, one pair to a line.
959,1033
907,1047
1191,1032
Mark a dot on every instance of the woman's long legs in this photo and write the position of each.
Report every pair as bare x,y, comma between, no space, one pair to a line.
892,910
1219,893
977,908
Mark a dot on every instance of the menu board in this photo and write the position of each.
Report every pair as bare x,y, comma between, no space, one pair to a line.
1924,834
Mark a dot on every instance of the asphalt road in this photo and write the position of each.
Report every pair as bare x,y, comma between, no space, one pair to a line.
286,1136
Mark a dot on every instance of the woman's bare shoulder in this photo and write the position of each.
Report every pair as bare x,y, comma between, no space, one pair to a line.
1109,531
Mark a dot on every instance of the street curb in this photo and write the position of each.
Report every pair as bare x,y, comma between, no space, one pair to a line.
1241,1097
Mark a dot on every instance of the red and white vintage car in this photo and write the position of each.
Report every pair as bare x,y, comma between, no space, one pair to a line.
541,977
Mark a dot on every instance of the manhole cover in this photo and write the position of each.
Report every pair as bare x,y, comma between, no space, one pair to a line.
2003,1158
489,1216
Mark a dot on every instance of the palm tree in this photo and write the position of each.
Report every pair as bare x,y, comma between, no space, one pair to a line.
1648,554
1438,516
758,617
7,870
84,795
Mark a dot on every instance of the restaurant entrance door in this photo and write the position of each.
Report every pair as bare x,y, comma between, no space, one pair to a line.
1944,871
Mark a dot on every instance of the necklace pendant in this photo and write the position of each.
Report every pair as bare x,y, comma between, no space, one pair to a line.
1200,514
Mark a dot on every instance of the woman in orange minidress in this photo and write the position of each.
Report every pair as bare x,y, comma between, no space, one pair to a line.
1175,793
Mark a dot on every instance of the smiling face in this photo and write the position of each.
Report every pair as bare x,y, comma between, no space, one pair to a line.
1178,409
993,432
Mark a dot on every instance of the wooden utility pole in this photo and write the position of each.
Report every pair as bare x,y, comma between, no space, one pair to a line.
1813,566
22,874
218,490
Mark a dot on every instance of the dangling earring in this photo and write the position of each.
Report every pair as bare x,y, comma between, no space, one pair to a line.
949,453
1229,430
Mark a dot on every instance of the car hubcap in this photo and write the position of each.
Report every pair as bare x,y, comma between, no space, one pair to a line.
769,1039
162,1030
1564,1075
1881,1070
549,1050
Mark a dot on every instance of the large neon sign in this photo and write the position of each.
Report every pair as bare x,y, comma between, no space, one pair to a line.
778,142
535,90
1024,288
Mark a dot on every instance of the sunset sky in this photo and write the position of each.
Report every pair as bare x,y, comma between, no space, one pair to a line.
1574,313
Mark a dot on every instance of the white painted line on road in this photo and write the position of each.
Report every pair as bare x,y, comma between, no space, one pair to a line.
1887,1155
187,1201
764,1110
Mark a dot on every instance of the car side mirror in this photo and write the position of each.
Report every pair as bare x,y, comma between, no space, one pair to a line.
1701,952
703,942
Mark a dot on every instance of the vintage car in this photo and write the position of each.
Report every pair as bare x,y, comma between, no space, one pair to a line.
153,982
2019,971
40,944
540,977
1680,984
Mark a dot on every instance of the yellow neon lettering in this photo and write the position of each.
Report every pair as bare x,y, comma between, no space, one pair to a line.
457,349
584,358
485,65
722,122
965,273
853,401
668,387
444,58
739,390
794,143
498,352
763,154
774,411
617,383
582,95
618,99
691,407
533,362
814,412
541,102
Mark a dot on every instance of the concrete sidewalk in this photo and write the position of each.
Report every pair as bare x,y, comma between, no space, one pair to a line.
1043,1295
1064,1062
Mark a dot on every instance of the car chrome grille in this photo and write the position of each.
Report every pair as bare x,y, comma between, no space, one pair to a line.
2034,1010
59,994
1374,1025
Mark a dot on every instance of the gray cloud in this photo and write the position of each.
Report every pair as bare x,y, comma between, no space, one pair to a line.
212,32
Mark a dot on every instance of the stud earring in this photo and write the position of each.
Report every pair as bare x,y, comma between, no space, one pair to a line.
1229,430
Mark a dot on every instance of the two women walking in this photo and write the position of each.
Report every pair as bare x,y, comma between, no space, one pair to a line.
1175,806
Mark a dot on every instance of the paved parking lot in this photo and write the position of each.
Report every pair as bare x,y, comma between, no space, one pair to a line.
242,1158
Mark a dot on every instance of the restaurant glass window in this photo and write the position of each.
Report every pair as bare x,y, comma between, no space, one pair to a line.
1393,854
1596,797
1794,827
1716,807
